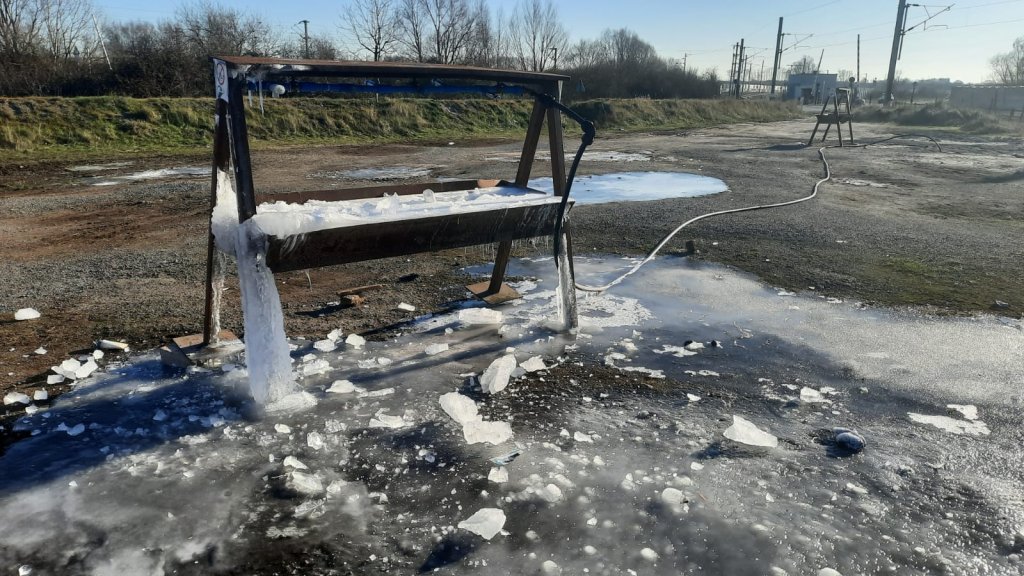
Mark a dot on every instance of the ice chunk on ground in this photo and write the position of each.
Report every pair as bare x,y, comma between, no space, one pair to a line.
460,408
505,459
98,354
293,462
677,351
550,568
406,307
856,489
40,395
388,421
326,345
303,483
486,522
76,430
692,397
491,432
434,349
39,351
533,364
293,402
474,316
649,555
693,346
811,396
355,341
160,416
375,393
112,345
55,379
318,366
947,424
498,475
672,496
496,377
969,411
282,428
16,398
334,335
581,437
829,572
343,387
27,314
315,440
745,432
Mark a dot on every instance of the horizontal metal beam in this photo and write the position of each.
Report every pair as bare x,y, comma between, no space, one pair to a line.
403,237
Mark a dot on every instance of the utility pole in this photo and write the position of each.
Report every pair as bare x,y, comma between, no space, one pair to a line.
555,50
778,55
858,58
732,67
684,63
305,35
102,45
739,69
897,41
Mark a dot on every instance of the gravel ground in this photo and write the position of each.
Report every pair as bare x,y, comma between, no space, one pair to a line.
902,225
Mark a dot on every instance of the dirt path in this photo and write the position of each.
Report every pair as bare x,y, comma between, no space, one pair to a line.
903,224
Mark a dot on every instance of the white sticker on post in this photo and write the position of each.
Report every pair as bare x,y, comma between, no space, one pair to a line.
220,78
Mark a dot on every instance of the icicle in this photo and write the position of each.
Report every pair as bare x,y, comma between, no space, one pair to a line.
266,345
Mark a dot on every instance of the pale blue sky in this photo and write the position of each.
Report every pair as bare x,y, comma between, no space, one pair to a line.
957,44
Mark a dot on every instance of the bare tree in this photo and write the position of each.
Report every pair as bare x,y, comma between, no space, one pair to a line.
1008,68
67,26
805,65
588,54
212,29
373,24
450,25
539,35
412,25
21,27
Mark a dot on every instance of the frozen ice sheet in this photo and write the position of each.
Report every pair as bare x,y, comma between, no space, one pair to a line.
285,219
637,186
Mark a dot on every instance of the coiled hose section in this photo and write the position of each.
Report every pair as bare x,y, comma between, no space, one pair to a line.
670,235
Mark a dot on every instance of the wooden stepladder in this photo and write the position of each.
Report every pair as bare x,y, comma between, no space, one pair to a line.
839,115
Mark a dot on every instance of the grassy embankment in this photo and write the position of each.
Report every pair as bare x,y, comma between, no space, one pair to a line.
941,117
52,128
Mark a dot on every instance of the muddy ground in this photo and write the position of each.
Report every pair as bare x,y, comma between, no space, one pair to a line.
901,224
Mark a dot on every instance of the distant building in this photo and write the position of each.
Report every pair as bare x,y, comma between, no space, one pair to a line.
811,88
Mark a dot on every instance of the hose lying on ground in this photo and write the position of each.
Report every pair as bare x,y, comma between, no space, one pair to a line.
814,192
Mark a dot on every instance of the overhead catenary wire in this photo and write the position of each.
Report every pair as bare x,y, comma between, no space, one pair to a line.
813,194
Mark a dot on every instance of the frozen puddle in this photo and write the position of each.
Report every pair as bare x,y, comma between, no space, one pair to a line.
588,156
727,465
99,167
160,174
637,186
377,174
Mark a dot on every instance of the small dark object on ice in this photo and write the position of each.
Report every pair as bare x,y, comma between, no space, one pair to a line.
848,440
840,442
714,344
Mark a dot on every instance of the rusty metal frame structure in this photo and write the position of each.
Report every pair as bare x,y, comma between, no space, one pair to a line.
232,75
840,114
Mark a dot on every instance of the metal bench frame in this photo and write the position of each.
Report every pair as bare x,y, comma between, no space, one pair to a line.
232,78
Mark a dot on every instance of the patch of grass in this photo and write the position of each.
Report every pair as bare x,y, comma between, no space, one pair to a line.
939,116
50,128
